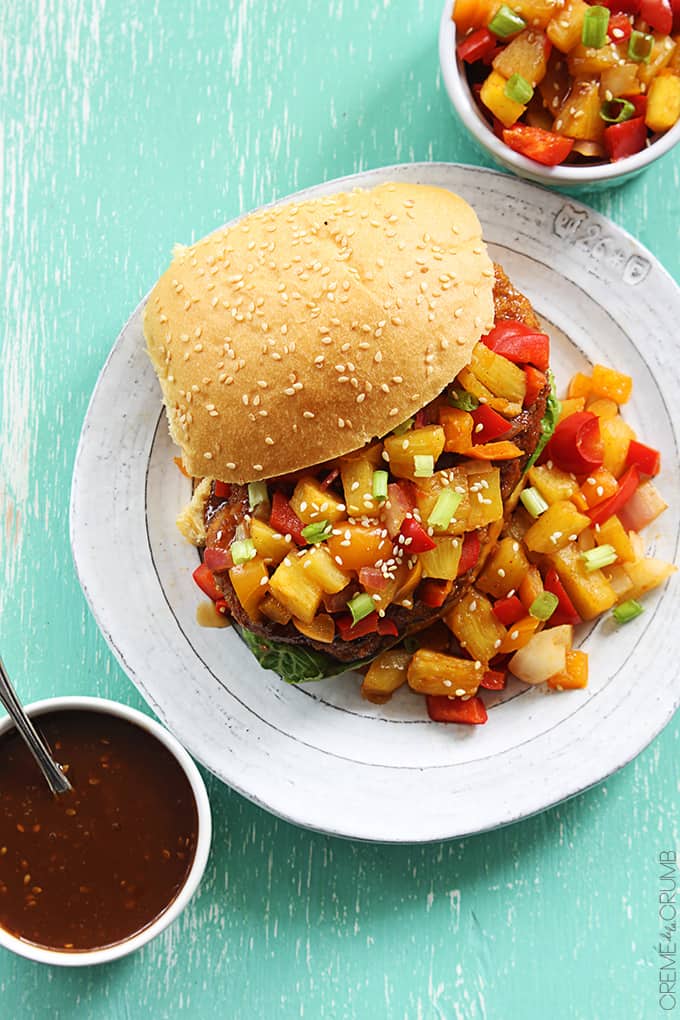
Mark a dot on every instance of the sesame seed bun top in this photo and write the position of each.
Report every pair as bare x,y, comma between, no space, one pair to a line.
301,332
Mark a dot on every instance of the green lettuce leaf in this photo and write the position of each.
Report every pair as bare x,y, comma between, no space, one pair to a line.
548,422
293,663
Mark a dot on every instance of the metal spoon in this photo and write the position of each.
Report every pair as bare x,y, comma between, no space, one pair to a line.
57,781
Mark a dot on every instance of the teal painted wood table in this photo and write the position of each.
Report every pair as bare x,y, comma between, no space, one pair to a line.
127,126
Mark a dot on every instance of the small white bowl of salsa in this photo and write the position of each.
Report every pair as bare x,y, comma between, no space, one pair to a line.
513,94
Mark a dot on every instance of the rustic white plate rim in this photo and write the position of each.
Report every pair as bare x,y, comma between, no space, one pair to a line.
236,750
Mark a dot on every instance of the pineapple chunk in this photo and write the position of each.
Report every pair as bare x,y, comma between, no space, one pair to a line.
247,580
589,61
494,98
647,574
552,483
486,505
428,492
564,28
663,103
402,450
476,626
662,52
526,54
312,503
603,407
613,533
616,435
620,80
386,674
442,562
291,586
322,569
619,580
498,374
357,483
433,673
272,608
613,385
572,404
268,543
556,528
471,383
504,570
579,116
536,13
589,590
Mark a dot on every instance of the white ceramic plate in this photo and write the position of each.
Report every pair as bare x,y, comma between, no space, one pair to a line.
318,754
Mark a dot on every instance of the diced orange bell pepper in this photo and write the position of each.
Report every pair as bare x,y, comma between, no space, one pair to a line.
519,635
531,587
457,427
600,485
575,676
502,450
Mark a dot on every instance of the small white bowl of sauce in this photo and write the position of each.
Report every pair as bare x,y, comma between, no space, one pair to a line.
98,872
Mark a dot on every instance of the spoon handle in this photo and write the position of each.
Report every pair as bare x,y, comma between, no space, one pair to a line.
56,779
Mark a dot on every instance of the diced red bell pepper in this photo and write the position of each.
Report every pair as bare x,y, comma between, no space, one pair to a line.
519,343
646,459
621,140
543,147
509,610
535,383
658,14
494,680
373,624
489,425
476,46
420,540
675,7
619,28
622,6
469,553
628,483
441,708
217,559
434,593
284,520
203,576
565,611
330,478
222,490
222,607
576,444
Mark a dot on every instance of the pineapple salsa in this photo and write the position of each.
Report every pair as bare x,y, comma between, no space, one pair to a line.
570,80
418,517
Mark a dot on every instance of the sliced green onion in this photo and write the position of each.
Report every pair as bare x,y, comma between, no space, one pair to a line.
533,502
615,111
599,557
360,606
627,611
543,606
640,46
257,493
447,503
594,31
423,465
380,479
518,89
242,551
506,22
462,400
319,531
404,427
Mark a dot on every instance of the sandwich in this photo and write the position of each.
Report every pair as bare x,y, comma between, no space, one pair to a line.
357,392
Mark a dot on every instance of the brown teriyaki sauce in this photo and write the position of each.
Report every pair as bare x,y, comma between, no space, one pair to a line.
94,866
